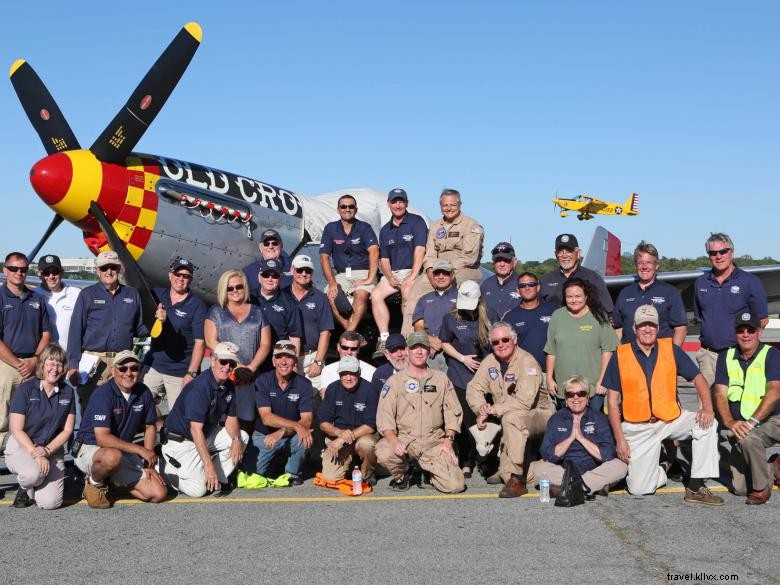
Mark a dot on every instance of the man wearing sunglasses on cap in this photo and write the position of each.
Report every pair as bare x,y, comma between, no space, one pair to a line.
201,441
174,356
719,296
350,343
117,410
106,318
60,297
353,248
513,379
500,290
25,330
271,247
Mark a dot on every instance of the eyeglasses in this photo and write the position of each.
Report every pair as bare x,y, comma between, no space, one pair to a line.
304,271
348,347
22,269
578,394
230,363
721,252
274,275
347,206
235,288
522,285
134,368
184,275
107,267
440,272
270,243
50,273
495,342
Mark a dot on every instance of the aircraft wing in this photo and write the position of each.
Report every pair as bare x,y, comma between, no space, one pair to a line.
594,206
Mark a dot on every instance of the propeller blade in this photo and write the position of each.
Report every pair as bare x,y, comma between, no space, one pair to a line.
133,274
55,223
40,107
129,125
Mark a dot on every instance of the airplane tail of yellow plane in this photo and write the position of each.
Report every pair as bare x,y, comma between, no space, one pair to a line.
632,205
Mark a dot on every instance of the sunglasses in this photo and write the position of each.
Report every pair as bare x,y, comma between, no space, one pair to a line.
440,272
236,287
348,347
347,206
270,243
578,394
135,368
274,275
287,346
495,342
107,267
22,269
49,273
522,285
230,363
722,252
304,271
744,329
184,275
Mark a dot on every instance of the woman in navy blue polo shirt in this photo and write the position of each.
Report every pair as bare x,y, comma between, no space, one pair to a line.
43,412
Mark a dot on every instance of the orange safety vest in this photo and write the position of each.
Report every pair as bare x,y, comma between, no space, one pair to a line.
660,402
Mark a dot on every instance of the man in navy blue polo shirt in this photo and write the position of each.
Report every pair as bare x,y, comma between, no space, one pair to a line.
431,308
396,354
316,319
647,290
719,296
271,248
285,404
352,246
106,318
568,255
118,410
531,319
348,418
174,357
280,309
401,254
500,290
200,452
25,330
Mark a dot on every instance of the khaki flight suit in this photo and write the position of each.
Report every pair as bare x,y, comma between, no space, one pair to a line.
460,242
521,403
419,410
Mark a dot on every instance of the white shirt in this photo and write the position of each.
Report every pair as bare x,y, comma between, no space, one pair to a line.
330,373
60,306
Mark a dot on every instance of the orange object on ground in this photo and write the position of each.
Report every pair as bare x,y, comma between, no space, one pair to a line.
343,485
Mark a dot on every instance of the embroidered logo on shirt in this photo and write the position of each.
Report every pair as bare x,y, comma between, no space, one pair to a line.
429,388
493,373
589,428
355,240
180,313
360,406
35,304
293,397
441,232
385,390
98,302
278,308
735,289
407,237
544,318
509,378
128,301
100,417
311,306
586,327
658,300
411,386
138,407
339,403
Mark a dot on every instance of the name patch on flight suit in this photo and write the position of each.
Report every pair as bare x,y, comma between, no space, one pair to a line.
453,235
429,388
509,378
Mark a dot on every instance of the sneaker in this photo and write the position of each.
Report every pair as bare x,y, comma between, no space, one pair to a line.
96,495
703,496
22,499
296,480
400,484
380,346
494,479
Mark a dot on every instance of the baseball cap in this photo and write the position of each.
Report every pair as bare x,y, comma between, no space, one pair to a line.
645,314
270,265
349,363
107,257
302,261
468,296
270,234
226,350
285,347
747,319
442,264
397,193
394,341
418,338
182,263
125,356
503,250
49,261
568,241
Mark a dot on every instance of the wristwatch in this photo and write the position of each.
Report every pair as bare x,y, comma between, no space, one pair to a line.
192,374
318,362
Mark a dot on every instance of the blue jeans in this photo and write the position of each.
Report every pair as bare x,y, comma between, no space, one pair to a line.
258,457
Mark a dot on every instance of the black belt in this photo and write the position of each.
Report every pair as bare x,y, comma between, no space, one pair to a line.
708,348
166,435
24,356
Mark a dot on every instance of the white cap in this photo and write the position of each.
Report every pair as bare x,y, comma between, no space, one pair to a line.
302,261
468,295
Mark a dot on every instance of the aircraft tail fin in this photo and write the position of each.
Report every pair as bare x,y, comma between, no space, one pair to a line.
604,253
632,205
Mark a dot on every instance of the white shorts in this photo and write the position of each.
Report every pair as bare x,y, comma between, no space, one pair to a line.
129,472
348,284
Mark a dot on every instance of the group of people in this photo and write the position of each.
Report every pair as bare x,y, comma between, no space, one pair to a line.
520,365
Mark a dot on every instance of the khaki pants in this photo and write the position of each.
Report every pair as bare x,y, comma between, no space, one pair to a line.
422,286
129,472
46,489
101,376
445,475
162,385
336,469
10,378
749,468
605,475
707,360
304,361
517,428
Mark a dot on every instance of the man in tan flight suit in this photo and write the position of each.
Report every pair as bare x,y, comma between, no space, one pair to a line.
456,237
513,378
418,417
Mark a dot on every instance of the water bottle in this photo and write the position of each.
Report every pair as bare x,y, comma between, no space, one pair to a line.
544,490
357,482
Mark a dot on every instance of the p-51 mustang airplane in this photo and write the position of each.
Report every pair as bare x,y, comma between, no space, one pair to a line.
587,206
151,209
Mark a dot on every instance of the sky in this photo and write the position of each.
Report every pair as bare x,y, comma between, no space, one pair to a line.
509,102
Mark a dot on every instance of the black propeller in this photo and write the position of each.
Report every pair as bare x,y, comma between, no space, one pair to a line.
129,125
55,223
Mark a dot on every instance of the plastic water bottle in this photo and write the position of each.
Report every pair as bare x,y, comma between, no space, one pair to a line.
544,490
357,482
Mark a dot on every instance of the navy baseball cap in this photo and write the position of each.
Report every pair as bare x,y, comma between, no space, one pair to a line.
182,263
270,265
568,241
747,319
270,234
503,250
394,341
49,261
397,193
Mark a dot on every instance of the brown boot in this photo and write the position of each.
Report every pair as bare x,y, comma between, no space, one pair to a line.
514,487
758,498
776,469
96,495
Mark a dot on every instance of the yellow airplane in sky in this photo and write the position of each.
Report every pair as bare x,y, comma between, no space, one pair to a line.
587,206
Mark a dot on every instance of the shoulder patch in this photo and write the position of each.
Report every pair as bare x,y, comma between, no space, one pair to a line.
385,390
